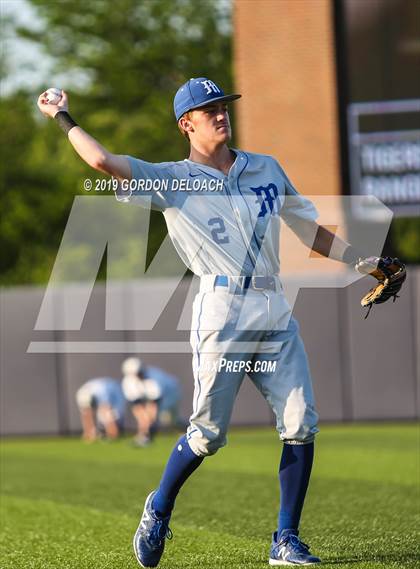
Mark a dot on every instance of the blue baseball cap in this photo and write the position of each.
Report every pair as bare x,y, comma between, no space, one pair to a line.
198,92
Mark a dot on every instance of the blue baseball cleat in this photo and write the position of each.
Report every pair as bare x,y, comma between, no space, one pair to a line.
149,539
287,549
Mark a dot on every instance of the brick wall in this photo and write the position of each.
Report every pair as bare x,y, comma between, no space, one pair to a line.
284,67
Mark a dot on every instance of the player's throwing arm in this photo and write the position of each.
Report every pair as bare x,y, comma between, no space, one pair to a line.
54,103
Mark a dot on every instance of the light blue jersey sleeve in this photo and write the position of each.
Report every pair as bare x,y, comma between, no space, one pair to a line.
168,384
150,184
296,207
106,390
162,377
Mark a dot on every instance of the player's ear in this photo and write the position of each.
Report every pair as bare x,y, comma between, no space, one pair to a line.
186,124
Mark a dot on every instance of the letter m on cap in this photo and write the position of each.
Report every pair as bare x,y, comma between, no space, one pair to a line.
210,87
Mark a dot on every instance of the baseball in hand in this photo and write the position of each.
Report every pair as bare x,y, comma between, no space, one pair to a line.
53,96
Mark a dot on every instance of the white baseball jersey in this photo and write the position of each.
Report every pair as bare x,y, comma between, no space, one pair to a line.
136,389
229,225
222,224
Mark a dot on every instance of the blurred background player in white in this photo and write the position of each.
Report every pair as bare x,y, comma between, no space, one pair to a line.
169,386
101,405
143,394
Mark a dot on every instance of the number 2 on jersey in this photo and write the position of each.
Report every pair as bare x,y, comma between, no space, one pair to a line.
219,229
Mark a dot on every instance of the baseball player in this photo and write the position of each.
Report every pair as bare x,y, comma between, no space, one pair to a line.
101,405
228,234
165,389
144,394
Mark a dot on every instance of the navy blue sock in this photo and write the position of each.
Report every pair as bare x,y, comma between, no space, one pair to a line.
295,471
181,464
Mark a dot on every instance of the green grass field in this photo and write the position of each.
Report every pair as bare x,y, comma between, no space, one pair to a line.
66,504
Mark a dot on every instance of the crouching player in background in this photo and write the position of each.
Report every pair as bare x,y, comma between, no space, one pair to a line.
101,405
143,394
168,414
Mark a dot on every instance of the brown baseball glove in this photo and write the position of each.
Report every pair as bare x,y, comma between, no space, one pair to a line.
390,274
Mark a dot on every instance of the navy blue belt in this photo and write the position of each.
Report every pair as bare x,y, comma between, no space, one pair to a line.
255,283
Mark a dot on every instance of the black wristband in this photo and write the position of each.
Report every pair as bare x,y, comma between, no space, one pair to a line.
65,121
351,255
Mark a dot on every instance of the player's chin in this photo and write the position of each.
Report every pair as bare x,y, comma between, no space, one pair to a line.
224,134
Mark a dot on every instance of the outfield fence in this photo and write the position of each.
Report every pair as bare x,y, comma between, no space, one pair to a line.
362,369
